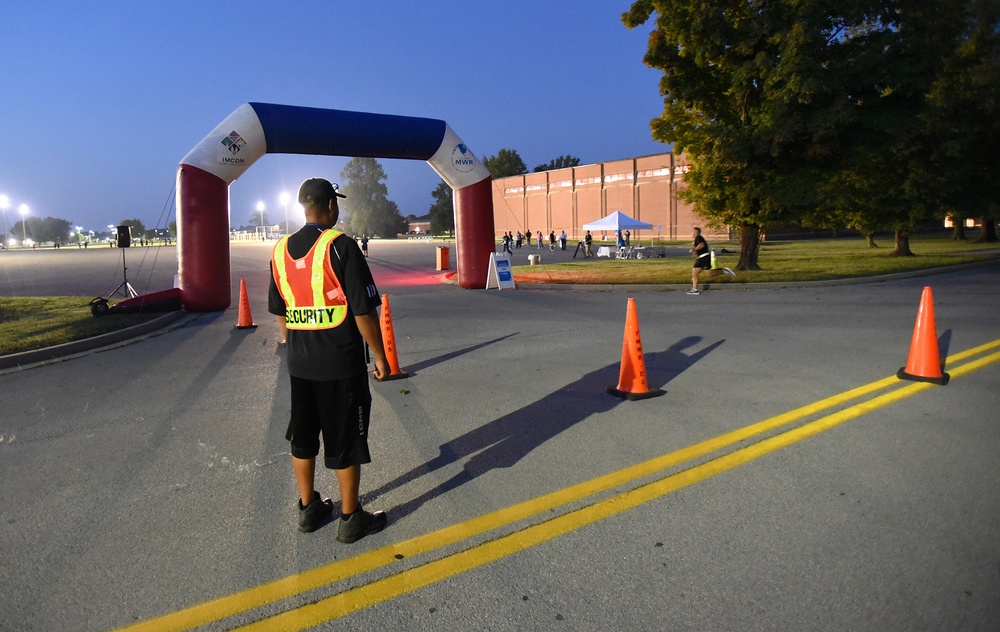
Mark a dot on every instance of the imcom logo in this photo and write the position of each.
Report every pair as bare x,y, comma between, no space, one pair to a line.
462,158
234,143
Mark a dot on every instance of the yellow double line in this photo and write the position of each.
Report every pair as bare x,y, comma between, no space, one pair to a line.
412,579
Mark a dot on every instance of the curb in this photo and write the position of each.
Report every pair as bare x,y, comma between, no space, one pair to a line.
764,285
40,357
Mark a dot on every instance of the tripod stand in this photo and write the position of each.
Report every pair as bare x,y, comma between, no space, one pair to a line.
131,293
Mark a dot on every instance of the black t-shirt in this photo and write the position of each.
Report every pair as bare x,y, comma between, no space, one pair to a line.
702,251
338,353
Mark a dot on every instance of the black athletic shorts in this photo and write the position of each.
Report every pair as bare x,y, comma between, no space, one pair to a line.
704,262
339,410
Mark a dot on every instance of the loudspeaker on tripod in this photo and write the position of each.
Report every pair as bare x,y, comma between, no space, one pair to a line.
124,236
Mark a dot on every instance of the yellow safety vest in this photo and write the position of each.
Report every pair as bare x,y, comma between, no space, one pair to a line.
312,293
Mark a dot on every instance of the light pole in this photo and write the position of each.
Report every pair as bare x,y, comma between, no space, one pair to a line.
24,222
4,205
284,203
79,237
260,207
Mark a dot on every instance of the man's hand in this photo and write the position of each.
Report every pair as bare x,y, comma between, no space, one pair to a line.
371,331
382,370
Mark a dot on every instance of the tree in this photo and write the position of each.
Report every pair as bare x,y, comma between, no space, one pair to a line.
561,162
744,96
442,211
795,108
258,218
42,229
506,163
961,172
138,229
367,209
895,135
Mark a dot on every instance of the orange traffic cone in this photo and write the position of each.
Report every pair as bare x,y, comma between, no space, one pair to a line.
632,382
924,362
244,321
389,342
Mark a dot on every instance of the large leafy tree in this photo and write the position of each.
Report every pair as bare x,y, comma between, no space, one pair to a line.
506,163
139,228
42,229
367,209
885,175
961,172
442,212
257,218
744,96
790,109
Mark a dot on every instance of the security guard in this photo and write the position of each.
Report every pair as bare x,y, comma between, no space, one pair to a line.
326,302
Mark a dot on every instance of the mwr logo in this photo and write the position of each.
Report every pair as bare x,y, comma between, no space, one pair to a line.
462,158
234,142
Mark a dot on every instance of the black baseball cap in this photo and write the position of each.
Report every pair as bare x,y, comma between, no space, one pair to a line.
318,191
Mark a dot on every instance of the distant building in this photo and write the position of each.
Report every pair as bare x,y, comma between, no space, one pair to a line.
420,225
970,222
643,188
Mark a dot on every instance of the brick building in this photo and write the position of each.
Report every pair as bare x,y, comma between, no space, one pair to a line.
644,188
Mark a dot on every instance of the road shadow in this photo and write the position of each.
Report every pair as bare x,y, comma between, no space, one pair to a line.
944,343
413,368
504,441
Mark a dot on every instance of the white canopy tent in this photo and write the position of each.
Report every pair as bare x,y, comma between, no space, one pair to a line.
617,221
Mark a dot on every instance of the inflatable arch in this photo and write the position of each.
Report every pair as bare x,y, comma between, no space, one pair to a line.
255,129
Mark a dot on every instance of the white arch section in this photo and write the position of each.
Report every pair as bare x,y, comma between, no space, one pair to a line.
256,129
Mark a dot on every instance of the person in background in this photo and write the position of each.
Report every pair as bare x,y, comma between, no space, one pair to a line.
703,261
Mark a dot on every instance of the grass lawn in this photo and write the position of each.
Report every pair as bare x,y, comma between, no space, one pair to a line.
807,260
35,322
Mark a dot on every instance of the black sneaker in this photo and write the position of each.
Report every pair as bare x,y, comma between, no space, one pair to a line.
316,514
359,524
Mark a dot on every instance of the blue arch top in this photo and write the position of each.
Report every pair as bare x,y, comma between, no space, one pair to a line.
290,129
256,129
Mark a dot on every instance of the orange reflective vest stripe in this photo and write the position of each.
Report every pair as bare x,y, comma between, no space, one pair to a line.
312,293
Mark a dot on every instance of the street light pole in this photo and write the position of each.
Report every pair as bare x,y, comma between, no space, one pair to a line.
24,222
260,207
4,204
284,203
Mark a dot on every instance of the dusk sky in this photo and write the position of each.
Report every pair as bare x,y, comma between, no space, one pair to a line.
99,101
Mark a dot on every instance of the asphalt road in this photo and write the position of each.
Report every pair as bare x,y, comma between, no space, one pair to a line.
150,484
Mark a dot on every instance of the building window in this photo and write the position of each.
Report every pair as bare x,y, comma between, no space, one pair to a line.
652,173
615,177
